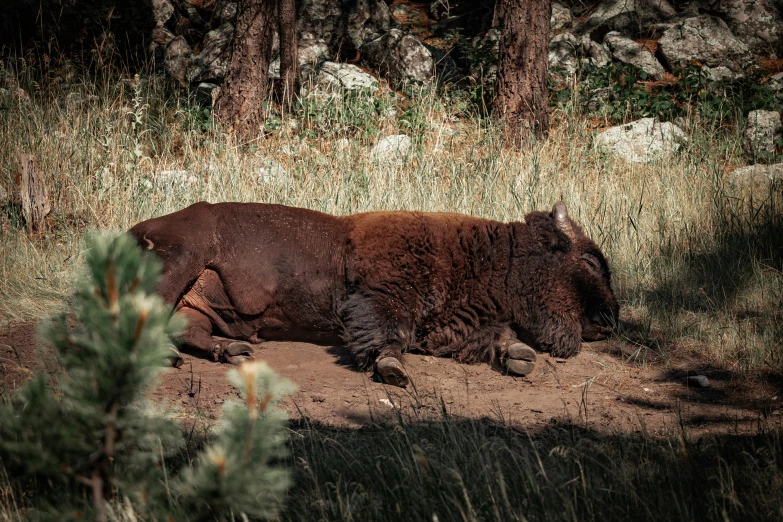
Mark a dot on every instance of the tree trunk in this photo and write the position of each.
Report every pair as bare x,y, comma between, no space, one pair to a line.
289,62
241,99
521,96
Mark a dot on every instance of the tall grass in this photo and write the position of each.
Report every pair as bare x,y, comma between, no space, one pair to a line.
696,262
479,471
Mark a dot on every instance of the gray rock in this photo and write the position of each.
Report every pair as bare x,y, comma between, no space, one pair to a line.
756,175
312,50
162,11
763,128
698,381
344,24
207,93
177,59
400,9
487,44
596,53
627,16
391,149
706,39
643,140
563,50
720,73
598,99
344,76
271,172
212,62
226,11
161,37
399,56
627,51
758,23
561,17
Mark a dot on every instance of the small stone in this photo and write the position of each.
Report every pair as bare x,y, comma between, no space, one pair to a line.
699,381
387,402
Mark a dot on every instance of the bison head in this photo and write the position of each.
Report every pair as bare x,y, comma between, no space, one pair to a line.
564,283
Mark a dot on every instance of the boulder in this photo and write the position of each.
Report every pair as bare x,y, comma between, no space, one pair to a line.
704,39
758,23
626,16
226,11
486,47
561,17
763,128
212,62
563,50
756,175
643,140
391,149
399,56
162,11
625,50
344,76
596,53
344,24
177,59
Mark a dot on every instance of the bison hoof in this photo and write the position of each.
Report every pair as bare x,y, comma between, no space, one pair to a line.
521,359
237,352
392,372
174,358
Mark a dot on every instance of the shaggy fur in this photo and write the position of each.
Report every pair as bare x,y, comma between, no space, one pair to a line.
382,282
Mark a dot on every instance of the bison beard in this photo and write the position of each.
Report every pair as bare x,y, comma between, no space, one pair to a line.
383,283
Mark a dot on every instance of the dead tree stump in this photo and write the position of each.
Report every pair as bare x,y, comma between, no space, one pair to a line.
33,195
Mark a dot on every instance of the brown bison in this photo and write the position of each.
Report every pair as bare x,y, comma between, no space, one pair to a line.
383,283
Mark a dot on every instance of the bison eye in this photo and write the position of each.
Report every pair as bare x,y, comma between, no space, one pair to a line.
593,263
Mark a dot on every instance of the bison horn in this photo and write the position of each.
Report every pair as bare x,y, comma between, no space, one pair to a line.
560,214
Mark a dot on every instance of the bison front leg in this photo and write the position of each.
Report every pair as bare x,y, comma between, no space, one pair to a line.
377,330
198,336
494,342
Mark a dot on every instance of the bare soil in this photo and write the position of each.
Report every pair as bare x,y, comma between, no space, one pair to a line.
598,388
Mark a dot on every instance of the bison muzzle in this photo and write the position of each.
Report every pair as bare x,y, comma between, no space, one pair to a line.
382,283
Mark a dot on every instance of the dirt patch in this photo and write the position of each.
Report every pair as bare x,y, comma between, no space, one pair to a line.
597,388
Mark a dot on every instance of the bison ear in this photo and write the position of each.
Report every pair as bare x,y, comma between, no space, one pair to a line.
562,222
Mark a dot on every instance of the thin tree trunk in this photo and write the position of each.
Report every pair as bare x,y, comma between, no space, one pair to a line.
241,99
289,62
521,95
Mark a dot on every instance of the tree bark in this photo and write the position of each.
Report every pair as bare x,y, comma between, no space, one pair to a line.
521,96
242,95
33,195
289,61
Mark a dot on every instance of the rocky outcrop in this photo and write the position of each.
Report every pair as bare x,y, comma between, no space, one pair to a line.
211,62
625,50
344,24
630,17
400,57
642,141
704,39
758,23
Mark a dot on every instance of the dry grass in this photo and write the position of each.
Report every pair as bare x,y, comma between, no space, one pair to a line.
697,265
